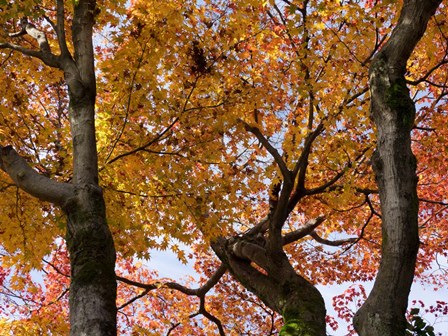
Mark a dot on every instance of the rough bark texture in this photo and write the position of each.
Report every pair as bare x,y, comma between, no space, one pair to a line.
90,243
92,260
280,287
257,259
394,164
89,240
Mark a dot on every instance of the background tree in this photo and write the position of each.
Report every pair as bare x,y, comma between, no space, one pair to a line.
221,122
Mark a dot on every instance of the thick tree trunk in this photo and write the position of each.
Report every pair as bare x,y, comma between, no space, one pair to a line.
89,240
280,288
92,260
392,109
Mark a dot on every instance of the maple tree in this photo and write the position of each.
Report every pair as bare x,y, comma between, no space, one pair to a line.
237,125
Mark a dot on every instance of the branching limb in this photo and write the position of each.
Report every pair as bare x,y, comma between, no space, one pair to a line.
301,167
267,145
202,311
175,325
307,229
432,201
60,28
149,143
45,54
22,30
211,317
261,227
201,291
430,71
323,187
338,242
56,268
336,178
30,181
213,280
49,60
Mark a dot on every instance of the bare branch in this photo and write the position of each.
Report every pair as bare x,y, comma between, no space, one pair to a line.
286,173
261,227
175,325
211,317
338,242
60,29
305,230
50,60
430,71
30,181
213,280
128,103
301,167
45,54
326,185
202,311
135,298
432,201
56,268
341,173
201,291
149,143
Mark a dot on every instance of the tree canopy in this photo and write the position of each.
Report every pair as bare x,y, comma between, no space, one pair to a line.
238,134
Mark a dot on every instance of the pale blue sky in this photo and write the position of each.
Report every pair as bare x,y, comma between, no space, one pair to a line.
167,264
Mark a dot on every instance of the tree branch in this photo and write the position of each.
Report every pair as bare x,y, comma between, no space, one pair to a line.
45,54
50,60
201,291
244,249
286,173
430,71
30,181
149,143
301,167
324,186
211,317
338,242
60,29
307,229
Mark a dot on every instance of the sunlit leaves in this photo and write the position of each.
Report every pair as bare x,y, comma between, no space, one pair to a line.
178,82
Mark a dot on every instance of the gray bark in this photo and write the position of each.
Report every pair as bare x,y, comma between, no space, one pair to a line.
393,112
280,287
273,280
89,240
90,243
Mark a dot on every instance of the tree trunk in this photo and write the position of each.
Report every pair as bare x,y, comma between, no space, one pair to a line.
280,288
393,112
89,240
92,259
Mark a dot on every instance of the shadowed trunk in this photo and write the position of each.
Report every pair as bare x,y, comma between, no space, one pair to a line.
92,260
280,287
92,253
89,240
392,109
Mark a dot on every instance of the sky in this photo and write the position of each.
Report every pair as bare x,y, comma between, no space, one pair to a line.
167,265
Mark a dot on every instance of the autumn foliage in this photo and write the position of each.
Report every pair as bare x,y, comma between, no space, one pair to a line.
201,107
